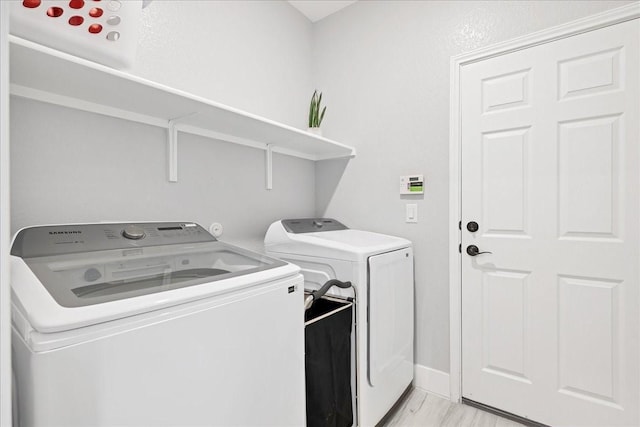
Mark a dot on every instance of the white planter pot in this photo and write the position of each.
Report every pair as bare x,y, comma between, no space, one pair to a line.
315,131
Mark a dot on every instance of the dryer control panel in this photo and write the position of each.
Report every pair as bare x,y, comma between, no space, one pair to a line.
312,225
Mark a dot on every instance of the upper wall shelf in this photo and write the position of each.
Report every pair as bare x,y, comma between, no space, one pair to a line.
48,75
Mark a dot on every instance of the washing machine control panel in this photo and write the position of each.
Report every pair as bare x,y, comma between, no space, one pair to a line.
68,239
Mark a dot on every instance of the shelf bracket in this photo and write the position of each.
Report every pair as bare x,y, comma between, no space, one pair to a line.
269,166
172,141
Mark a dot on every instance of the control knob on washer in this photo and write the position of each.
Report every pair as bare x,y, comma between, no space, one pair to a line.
133,232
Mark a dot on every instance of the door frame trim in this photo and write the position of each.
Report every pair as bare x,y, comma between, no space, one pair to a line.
590,23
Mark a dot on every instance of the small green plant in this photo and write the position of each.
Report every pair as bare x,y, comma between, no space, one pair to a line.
315,115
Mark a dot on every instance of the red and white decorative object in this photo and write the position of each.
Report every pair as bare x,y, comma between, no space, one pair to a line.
103,31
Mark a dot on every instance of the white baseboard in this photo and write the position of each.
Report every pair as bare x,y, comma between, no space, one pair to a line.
431,380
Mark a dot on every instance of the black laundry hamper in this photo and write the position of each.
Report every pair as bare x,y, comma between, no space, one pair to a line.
328,363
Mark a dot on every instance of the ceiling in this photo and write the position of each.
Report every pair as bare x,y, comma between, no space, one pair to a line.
315,10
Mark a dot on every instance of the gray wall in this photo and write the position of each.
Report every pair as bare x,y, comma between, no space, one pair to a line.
383,67
70,166
252,55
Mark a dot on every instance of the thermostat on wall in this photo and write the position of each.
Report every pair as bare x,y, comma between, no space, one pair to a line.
412,184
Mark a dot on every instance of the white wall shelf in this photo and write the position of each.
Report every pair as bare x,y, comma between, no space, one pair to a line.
48,75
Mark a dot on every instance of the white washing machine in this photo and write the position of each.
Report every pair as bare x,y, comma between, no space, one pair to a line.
381,269
153,324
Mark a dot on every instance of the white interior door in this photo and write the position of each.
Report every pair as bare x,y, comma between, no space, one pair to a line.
550,172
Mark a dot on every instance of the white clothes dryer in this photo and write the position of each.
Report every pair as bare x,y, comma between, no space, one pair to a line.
380,267
153,324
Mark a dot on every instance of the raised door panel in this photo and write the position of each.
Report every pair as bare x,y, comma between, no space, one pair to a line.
505,318
505,157
589,339
507,91
593,73
589,173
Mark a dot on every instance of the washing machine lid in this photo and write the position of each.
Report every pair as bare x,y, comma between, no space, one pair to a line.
328,238
69,276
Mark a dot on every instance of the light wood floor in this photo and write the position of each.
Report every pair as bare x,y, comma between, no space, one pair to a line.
419,409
